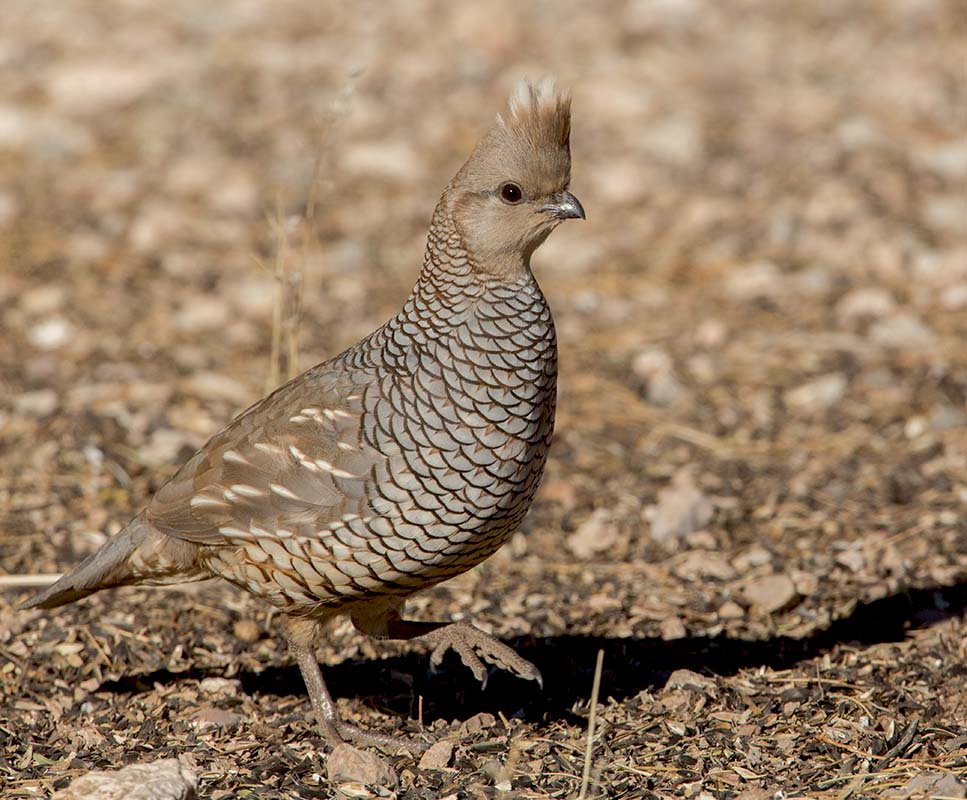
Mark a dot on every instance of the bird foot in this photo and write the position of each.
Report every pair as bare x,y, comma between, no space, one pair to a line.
475,648
336,732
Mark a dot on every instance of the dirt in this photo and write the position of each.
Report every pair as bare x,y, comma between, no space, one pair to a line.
756,503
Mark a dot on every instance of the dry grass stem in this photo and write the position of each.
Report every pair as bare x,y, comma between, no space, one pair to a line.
592,718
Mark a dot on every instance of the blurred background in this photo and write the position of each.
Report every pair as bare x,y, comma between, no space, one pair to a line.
762,329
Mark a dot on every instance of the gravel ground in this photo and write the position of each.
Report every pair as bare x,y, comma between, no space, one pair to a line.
756,504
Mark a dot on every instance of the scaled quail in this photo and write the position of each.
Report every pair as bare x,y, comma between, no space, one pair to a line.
407,459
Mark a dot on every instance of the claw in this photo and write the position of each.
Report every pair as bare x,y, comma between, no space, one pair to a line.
476,647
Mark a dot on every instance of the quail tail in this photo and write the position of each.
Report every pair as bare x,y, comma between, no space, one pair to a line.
138,554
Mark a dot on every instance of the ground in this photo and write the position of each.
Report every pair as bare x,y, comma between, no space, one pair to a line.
756,503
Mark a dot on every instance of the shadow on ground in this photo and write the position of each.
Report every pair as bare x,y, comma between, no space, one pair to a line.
567,663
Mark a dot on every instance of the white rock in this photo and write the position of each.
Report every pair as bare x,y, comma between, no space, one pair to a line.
595,535
930,784
900,330
347,764
387,160
654,366
201,314
948,159
9,209
39,403
681,509
675,140
686,679
99,85
761,279
866,301
954,298
168,779
51,334
817,395
770,593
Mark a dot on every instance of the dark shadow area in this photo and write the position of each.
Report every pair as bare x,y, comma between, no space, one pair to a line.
567,663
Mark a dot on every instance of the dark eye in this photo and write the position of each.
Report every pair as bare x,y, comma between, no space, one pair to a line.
511,193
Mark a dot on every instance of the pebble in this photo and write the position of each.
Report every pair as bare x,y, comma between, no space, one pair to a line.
731,610
595,535
756,281
930,784
438,756
38,403
681,509
900,330
654,367
770,593
385,159
866,301
167,779
686,679
51,334
817,395
348,764
216,718
247,630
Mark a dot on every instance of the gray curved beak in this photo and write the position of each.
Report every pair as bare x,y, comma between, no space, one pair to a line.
564,206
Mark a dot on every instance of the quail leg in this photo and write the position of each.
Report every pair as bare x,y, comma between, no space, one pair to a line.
334,730
472,645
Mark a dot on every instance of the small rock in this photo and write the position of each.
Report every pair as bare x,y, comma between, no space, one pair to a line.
438,756
817,395
754,556
900,330
168,779
947,418
596,534
672,628
674,140
954,298
711,333
43,299
51,334
698,564
477,723
216,718
681,509
223,687
759,794
948,159
852,559
247,630
930,784
95,86
382,160
756,281
38,404
686,679
201,314
348,764
213,386
806,583
770,593
163,446
944,213
866,301
559,491
9,209
731,610
654,367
